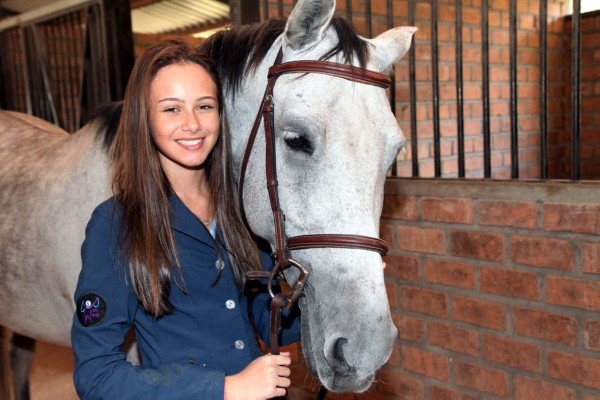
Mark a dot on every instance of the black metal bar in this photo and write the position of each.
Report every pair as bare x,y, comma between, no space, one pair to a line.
544,89
244,12
59,70
413,93
44,63
390,25
64,72
90,85
83,51
61,73
436,89
3,73
349,10
514,116
368,18
76,63
68,73
33,72
11,70
576,89
485,72
22,46
280,8
71,71
18,97
96,58
460,113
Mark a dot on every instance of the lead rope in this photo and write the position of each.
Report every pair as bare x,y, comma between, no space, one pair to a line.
277,306
279,303
275,326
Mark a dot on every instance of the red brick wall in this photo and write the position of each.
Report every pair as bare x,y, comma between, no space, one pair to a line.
494,288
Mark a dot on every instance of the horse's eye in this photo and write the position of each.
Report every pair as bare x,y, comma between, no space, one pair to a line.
299,143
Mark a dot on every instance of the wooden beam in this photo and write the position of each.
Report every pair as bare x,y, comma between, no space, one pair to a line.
141,3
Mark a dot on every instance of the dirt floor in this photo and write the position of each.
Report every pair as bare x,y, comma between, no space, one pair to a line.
51,374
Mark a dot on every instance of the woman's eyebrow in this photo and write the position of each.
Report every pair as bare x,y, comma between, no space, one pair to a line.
183,101
206,98
172,99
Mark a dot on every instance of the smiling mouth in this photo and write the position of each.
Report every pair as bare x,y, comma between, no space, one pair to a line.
193,142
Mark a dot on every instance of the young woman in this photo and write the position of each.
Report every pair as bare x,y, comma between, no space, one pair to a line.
168,252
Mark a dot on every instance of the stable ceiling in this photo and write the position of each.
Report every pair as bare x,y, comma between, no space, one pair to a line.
157,16
170,16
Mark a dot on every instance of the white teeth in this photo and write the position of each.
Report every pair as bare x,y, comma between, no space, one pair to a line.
189,142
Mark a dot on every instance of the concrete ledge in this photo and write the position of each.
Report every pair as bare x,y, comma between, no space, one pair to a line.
582,192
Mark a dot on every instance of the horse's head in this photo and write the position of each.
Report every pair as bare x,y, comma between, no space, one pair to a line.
335,140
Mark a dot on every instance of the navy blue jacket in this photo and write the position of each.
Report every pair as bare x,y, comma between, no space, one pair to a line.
185,354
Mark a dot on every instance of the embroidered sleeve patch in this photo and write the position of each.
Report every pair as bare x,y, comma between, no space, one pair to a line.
91,309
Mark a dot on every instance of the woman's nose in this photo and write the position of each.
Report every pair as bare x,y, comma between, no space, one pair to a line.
192,123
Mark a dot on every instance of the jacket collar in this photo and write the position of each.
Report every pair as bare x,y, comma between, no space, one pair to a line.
184,221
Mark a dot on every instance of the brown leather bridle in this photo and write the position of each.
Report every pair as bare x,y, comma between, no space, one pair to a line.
284,243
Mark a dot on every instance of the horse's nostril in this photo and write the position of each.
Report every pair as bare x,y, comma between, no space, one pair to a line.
340,365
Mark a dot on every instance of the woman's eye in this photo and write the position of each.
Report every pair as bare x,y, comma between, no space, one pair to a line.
171,110
299,143
206,107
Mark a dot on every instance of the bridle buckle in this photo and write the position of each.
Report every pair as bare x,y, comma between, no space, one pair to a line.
298,286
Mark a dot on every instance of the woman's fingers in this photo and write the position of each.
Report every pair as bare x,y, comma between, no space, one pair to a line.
283,382
283,371
282,359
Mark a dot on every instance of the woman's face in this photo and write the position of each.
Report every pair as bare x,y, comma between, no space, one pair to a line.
184,116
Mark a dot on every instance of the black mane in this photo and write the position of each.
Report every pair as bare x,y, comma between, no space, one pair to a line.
106,117
241,49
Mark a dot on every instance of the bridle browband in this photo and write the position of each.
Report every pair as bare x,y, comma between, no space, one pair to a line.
285,244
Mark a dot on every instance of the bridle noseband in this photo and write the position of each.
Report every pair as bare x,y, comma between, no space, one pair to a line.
286,244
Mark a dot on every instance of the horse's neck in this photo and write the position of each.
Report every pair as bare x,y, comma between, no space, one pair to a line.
92,158
243,108
80,163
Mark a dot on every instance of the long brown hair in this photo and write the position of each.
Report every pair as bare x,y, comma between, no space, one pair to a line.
142,189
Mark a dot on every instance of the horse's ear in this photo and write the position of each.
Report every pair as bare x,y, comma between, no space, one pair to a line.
391,46
307,22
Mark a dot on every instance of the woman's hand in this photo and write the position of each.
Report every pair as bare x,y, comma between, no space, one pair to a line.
263,378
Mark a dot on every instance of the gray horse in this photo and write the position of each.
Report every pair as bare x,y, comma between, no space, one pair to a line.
335,140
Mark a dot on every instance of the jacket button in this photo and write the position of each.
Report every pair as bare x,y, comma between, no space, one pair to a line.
239,344
230,304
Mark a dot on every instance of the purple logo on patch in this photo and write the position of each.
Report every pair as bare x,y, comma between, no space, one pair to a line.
92,309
